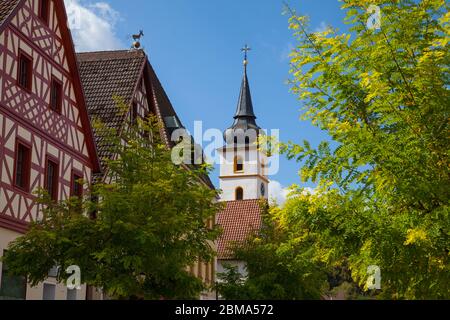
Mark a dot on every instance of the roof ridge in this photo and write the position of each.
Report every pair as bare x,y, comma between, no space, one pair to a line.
110,55
103,51
246,200
6,10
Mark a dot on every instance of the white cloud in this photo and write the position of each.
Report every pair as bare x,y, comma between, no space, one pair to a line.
93,25
279,194
105,11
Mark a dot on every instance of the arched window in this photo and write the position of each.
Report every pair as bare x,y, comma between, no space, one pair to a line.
239,193
238,164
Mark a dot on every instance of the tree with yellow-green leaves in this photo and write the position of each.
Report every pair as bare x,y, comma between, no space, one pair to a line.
382,199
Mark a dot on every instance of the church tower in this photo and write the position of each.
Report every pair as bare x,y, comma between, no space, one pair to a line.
243,173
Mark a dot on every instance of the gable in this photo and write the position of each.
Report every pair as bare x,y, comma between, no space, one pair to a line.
47,37
52,52
104,76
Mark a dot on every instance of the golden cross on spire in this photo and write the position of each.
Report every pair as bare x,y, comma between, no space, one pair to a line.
245,49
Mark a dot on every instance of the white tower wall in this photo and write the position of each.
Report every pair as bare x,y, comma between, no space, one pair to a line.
250,179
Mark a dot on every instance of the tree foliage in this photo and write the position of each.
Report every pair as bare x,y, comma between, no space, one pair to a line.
382,196
279,265
383,192
149,225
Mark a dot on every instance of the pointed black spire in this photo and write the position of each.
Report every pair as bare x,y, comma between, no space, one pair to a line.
245,105
245,116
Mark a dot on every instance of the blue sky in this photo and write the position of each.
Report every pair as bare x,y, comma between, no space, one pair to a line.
194,47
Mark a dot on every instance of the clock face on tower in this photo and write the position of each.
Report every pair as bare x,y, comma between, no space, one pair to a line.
263,189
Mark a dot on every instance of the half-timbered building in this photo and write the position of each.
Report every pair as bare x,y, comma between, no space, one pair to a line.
48,97
46,139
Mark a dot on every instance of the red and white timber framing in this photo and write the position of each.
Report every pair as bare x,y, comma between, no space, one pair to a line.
25,116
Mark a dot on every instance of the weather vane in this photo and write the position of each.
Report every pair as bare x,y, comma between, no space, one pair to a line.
246,49
137,38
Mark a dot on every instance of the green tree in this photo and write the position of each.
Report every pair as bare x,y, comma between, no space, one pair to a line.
383,188
149,225
280,265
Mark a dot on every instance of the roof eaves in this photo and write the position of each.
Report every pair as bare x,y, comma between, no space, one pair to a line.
10,9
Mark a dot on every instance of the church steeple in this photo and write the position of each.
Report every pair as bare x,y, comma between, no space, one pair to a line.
244,117
245,105
243,174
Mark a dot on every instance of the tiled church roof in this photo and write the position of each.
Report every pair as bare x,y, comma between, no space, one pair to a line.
6,7
238,219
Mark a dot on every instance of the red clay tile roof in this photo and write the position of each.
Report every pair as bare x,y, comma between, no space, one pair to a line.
6,7
238,219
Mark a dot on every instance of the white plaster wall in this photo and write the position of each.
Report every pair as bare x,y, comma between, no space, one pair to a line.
250,179
36,293
251,161
229,185
6,236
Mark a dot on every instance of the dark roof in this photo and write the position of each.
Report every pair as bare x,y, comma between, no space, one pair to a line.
245,104
238,220
105,75
163,106
108,74
164,109
6,7
244,117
